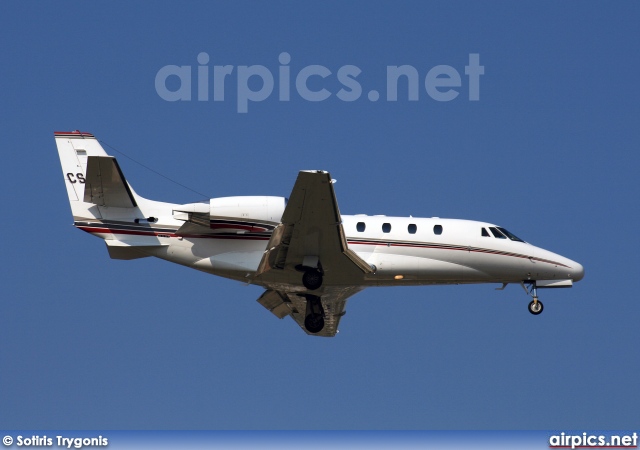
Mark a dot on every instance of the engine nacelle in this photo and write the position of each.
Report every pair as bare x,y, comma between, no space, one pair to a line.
269,209
235,214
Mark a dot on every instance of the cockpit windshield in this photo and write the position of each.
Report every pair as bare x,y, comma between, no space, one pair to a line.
510,235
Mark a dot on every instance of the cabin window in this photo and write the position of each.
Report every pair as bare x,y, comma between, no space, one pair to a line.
361,227
485,233
437,229
496,233
412,228
386,227
510,235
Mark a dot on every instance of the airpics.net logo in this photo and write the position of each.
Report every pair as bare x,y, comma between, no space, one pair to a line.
313,83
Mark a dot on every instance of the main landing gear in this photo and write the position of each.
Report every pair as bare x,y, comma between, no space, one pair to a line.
312,279
536,306
314,318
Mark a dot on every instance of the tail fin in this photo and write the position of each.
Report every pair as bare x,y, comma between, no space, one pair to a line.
93,178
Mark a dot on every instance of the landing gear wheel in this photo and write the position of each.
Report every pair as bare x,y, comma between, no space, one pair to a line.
312,279
535,307
314,323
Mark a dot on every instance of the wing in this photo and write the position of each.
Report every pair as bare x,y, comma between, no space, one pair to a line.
310,235
310,238
334,301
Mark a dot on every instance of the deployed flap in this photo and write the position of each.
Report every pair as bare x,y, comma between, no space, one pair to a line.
276,302
311,227
334,301
105,185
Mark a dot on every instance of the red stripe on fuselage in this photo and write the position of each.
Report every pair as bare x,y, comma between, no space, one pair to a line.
98,230
228,226
458,248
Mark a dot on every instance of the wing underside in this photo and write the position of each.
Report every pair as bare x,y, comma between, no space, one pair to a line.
334,301
310,237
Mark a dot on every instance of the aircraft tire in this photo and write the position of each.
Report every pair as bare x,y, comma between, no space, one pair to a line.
533,310
314,323
312,279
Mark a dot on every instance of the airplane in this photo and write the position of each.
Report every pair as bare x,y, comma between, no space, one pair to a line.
307,255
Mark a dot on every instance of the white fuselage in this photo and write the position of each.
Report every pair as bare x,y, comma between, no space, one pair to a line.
307,255
459,254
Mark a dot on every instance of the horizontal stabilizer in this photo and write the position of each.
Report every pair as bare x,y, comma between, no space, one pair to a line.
105,184
193,229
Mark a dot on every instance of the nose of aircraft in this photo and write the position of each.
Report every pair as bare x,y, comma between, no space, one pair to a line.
566,268
577,271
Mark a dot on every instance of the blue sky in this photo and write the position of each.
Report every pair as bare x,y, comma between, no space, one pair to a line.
550,151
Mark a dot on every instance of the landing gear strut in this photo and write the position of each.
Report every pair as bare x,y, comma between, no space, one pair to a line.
536,306
314,319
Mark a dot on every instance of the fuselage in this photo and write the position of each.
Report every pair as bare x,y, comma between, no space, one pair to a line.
402,250
443,251
308,256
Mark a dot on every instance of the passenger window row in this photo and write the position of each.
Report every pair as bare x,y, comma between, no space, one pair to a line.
386,228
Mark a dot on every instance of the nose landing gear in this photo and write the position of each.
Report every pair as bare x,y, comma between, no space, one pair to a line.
536,306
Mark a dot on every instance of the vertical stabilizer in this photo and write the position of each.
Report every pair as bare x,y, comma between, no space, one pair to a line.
93,179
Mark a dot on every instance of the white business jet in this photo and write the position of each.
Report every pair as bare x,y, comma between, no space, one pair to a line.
308,256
